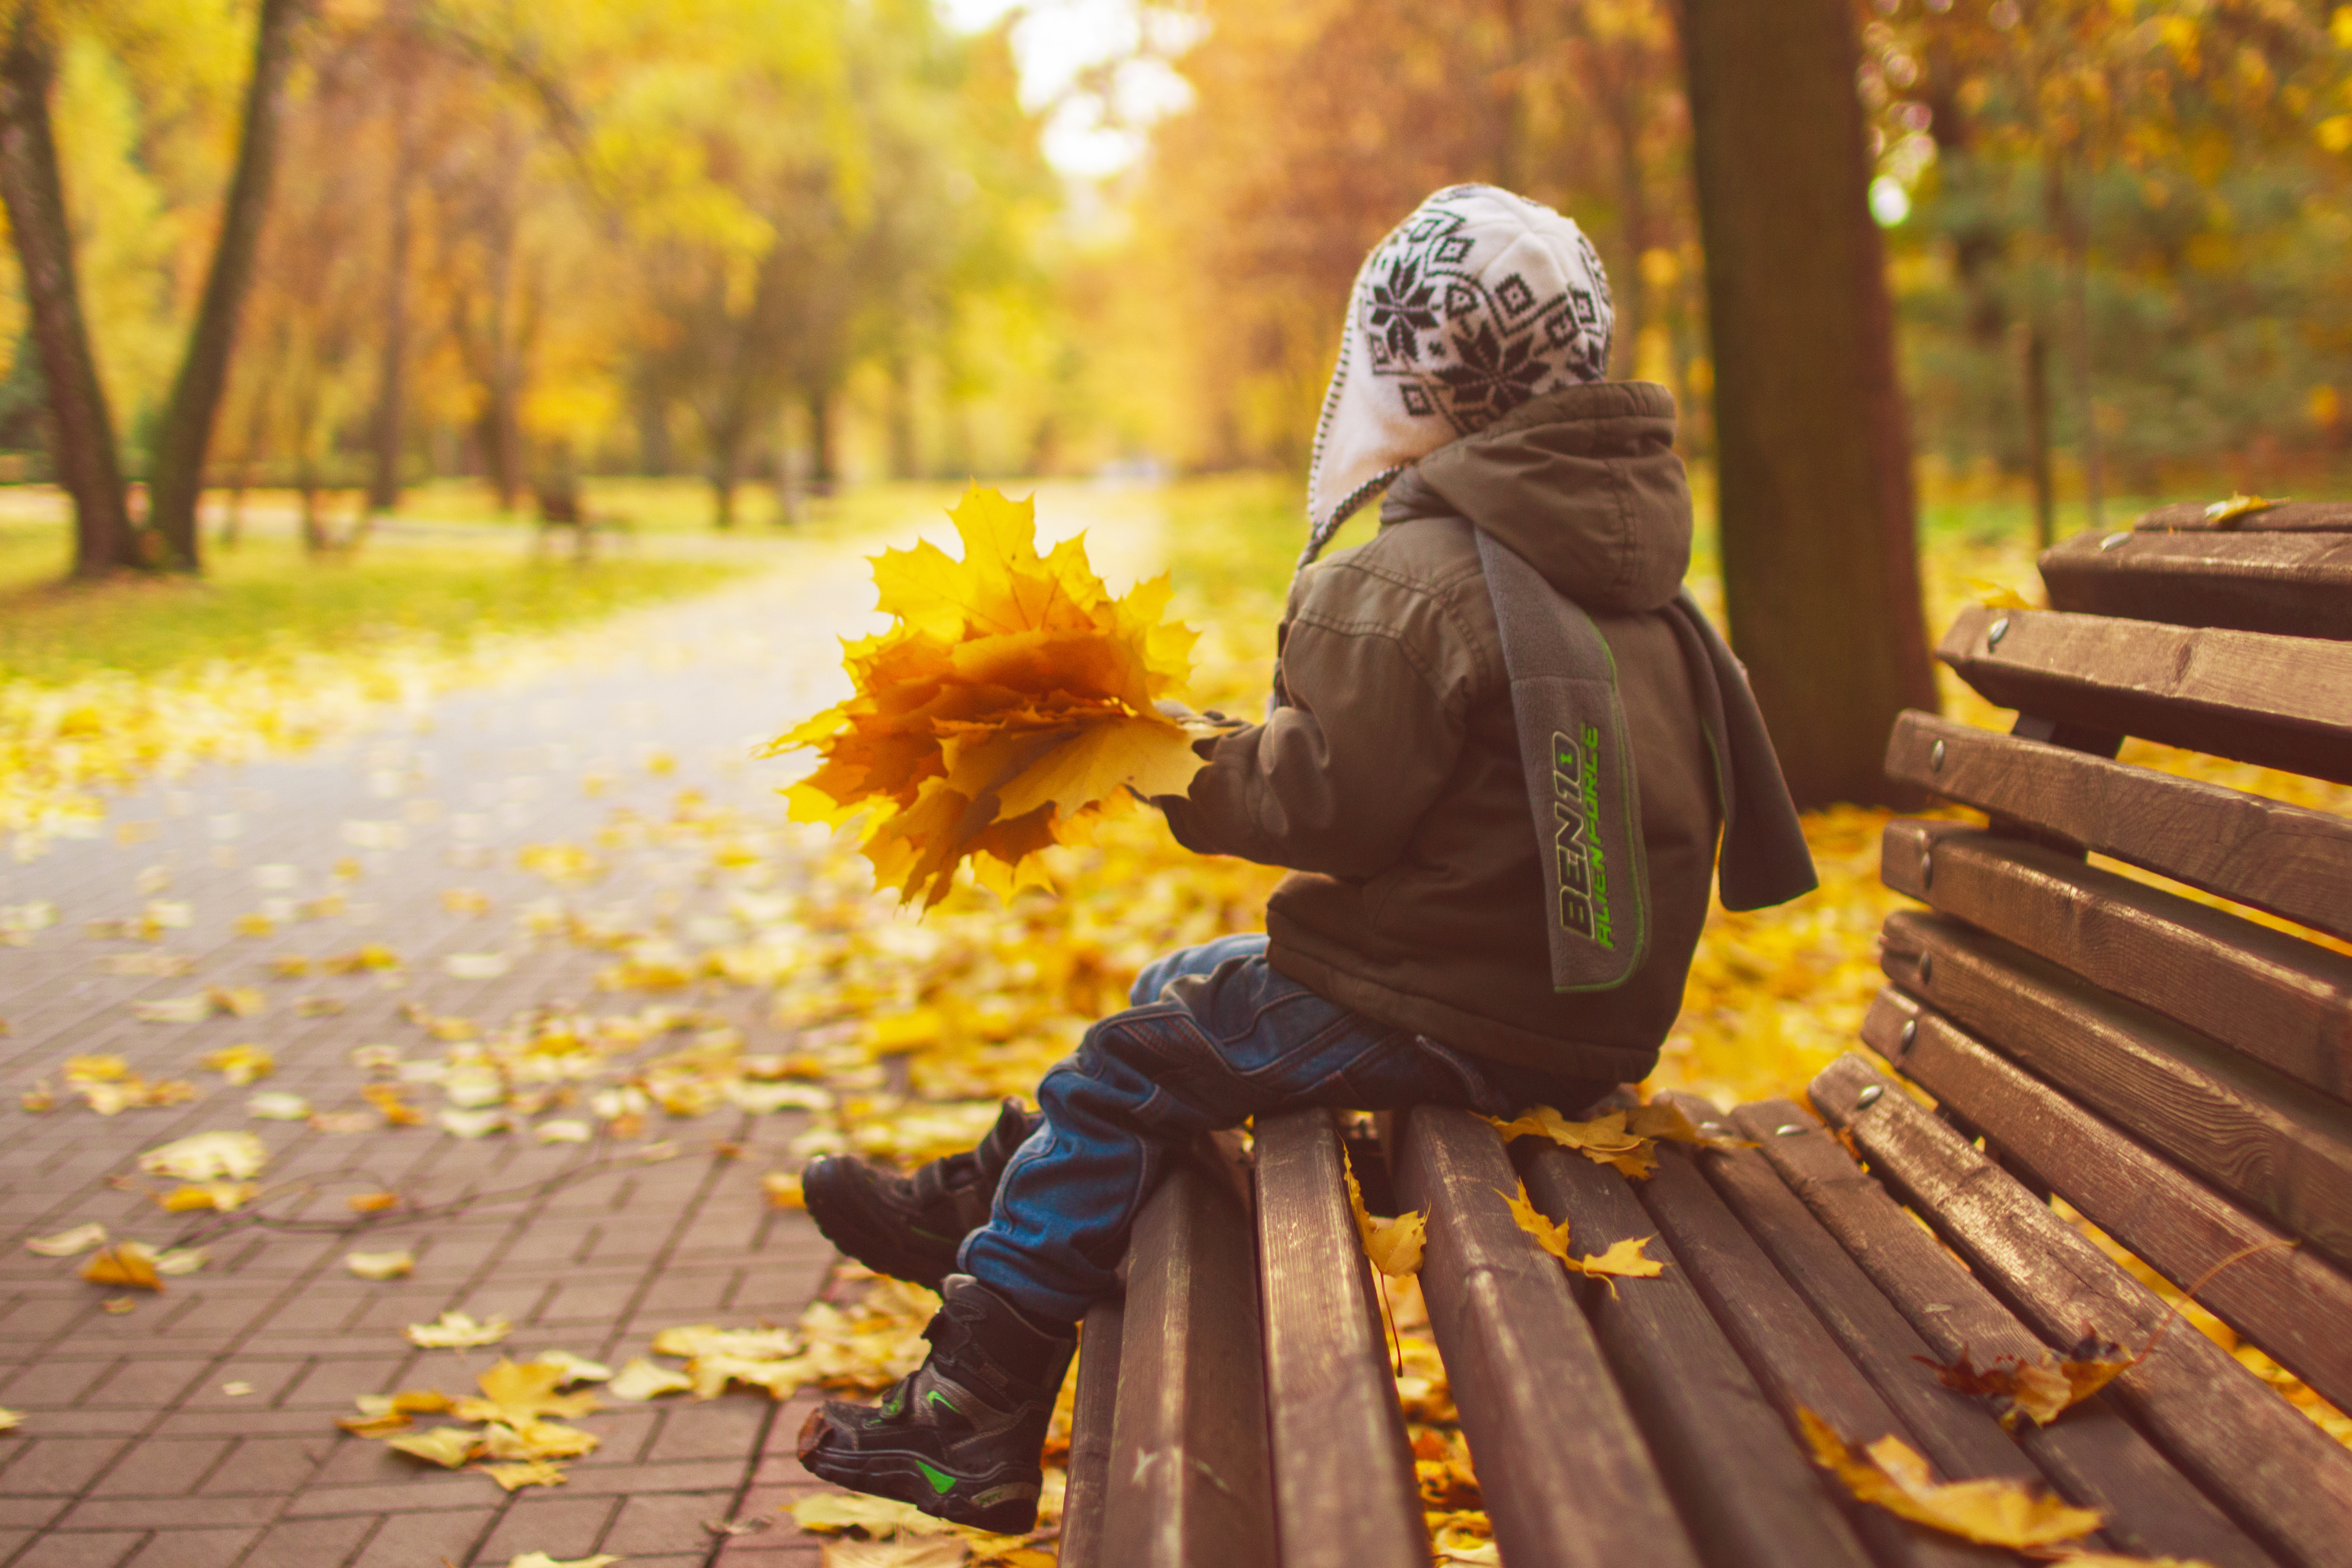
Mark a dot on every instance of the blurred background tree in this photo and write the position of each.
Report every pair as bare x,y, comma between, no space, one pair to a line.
781,245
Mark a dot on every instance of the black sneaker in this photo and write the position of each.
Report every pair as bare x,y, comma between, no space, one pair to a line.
961,1436
909,1227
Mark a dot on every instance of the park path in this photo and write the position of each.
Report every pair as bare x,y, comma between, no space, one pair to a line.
196,1430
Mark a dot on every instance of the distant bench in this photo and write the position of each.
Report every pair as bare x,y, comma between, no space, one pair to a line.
2176,1074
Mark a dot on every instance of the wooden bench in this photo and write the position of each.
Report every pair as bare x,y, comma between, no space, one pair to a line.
2178,1073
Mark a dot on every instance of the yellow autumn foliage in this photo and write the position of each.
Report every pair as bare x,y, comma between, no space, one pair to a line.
1013,700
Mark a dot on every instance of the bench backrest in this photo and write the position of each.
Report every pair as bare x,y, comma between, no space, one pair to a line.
2178,1072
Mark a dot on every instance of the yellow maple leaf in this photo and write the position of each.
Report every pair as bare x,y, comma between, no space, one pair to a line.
125,1263
457,1330
541,1560
641,1379
523,1473
1624,1258
1012,700
1992,1511
1395,1245
446,1446
241,1064
380,1265
519,1393
226,1195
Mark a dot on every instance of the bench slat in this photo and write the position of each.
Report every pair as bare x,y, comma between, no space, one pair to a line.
1955,1431
2289,584
2320,517
2248,1130
2093,1458
2285,1300
2287,860
2278,1475
1794,1361
1566,1476
2275,998
1345,1493
1190,1479
2277,702
1746,1492
1090,1427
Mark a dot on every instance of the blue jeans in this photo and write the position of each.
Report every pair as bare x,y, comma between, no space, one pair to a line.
1214,1035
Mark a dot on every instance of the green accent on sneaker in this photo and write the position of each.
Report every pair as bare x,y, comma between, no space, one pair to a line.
939,1399
942,1482
896,1403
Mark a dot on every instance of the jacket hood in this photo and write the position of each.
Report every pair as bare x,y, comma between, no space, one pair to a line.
1582,483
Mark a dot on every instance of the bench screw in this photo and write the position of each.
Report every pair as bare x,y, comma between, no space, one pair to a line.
1936,758
1995,633
2112,540
1869,1095
1787,1129
1926,968
1910,1033
1712,1129
1926,869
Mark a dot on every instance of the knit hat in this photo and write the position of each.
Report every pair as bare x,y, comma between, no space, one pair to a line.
1477,302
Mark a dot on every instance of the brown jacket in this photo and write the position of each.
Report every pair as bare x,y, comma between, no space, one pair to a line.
1389,778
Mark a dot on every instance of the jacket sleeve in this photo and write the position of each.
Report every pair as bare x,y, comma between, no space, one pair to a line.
1368,730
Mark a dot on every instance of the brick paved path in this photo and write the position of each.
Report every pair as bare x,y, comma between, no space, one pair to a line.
134,1450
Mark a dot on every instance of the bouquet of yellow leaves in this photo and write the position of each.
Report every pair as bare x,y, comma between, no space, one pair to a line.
1013,701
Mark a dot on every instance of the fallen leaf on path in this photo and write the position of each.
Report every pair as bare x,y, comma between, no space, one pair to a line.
1992,1511
240,1063
446,1446
125,1263
395,1111
476,966
561,1131
372,1202
380,1265
783,1189
939,1551
119,1305
457,1330
209,1156
471,1124
828,1511
11,1419
641,1379
96,1068
66,1243
277,1105
517,1393
541,1560
225,1196
176,1260
575,1368
523,1473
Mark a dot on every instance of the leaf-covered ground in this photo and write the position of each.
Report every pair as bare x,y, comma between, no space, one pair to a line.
895,1037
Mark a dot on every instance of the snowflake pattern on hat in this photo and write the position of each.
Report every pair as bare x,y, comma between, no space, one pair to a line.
1477,302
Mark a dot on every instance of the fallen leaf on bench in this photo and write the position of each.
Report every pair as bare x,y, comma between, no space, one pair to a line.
457,1330
523,1473
1990,1511
125,1263
1663,1119
1624,1258
2044,1389
1604,1140
1394,1246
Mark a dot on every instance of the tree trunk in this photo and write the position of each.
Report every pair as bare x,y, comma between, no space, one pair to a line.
80,429
900,415
178,467
820,424
2074,235
2036,359
1819,554
392,373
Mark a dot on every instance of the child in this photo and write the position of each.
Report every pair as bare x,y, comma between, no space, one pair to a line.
1500,807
